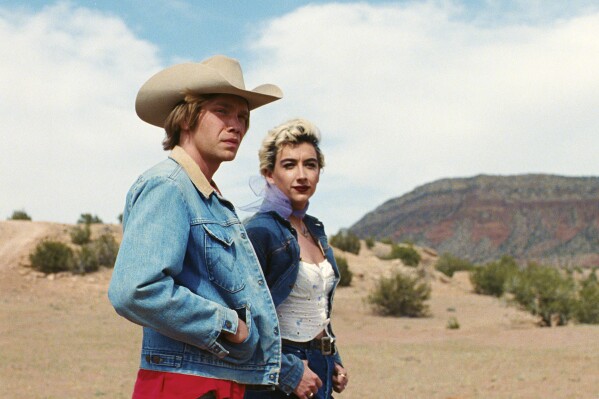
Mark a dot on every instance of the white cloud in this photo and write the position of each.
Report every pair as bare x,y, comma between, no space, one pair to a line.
406,94
71,141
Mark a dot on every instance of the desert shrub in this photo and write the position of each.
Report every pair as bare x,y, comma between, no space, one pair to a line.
400,295
587,304
346,241
19,215
546,292
494,278
86,260
408,255
369,242
87,218
387,241
345,274
106,249
449,264
81,235
52,257
453,323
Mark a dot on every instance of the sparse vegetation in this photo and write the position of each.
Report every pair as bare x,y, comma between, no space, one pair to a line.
52,257
400,295
551,293
81,235
106,249
493,278
345,274
19,215
369,242
453,323
346,241
406,253
546,292
449,264
87,218
587,303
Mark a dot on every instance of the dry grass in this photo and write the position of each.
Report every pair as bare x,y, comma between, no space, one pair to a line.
60,338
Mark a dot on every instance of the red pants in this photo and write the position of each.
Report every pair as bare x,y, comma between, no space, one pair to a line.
161,385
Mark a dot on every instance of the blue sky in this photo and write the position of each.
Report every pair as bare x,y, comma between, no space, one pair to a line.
404,92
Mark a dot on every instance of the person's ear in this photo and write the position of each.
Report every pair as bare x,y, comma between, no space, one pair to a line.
268,177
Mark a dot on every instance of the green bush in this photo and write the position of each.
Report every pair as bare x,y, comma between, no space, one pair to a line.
106,249
81,235
346,241
86,260
87,218
408,255
449,264
546,292
19,215
453,323
587,304
400,295
52,257
495,277
345,274
369,242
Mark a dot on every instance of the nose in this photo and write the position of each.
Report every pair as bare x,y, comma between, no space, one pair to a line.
301,172
236,125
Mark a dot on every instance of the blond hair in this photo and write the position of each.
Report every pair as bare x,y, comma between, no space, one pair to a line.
292,132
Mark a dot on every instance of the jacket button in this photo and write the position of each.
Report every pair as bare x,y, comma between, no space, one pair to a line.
156,359
228,324
243,236
272,377
276,330
260,282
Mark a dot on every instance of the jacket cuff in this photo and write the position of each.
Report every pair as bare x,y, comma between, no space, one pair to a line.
292,370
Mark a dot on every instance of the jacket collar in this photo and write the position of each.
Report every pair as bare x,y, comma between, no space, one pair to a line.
192,169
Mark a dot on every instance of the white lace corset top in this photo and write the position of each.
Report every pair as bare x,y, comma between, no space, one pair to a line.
303,314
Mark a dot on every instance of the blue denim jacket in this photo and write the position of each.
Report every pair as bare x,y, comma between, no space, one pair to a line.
275,243
186,271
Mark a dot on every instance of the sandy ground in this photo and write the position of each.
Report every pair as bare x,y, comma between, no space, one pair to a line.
60,338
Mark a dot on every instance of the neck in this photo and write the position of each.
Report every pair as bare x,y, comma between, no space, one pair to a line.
208,168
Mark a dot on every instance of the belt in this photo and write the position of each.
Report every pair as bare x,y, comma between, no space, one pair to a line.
325,344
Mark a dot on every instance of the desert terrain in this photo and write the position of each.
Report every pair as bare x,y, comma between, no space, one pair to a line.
60,337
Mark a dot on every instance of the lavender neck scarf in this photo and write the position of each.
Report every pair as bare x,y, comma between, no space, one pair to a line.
275,200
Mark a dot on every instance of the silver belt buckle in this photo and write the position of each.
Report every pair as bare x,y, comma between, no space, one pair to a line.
327,345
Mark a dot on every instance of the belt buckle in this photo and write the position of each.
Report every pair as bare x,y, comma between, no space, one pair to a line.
327,345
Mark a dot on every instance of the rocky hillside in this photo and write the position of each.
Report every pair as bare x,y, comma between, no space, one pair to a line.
553,219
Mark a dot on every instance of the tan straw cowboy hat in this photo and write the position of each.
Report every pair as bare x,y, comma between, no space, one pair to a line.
216,75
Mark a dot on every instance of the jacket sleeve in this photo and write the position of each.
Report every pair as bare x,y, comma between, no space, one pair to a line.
155,236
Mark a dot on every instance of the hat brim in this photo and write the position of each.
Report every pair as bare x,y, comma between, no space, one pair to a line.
163,91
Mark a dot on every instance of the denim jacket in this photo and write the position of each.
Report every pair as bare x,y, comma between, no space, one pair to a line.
186,271
277,248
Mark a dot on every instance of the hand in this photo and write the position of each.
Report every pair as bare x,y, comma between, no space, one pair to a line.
240,335
340,378
309,384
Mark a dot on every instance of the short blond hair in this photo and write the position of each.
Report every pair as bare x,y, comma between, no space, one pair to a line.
292,132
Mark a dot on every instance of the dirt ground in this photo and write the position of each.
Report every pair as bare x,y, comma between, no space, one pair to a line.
60,338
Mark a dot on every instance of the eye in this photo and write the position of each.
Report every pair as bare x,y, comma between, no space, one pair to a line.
312,165
288,165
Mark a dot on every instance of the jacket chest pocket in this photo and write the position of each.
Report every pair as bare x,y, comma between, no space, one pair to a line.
220,256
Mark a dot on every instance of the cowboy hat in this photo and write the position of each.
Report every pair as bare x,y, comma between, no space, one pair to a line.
216,75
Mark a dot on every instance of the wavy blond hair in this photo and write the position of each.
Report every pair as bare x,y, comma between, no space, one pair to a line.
292,132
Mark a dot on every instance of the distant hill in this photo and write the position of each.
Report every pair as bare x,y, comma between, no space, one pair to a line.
552,219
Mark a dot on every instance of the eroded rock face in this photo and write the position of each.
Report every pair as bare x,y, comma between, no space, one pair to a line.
553,219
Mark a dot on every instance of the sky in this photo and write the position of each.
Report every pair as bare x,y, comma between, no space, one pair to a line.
404,93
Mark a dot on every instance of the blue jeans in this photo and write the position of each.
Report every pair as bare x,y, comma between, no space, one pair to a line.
322,365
